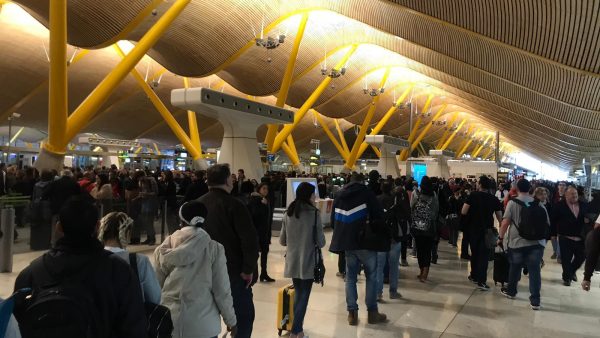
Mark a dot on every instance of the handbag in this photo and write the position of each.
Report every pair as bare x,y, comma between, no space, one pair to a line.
319,273
159,319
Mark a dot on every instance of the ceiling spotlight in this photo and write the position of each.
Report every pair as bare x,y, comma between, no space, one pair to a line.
270,42
333,73
373,91
438,123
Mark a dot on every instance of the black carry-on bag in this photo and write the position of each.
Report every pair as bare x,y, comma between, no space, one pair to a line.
501,266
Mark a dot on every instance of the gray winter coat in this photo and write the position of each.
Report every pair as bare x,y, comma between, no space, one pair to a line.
300,256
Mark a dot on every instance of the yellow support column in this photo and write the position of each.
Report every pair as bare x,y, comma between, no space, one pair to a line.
487,153
287,80
79,118
341,135
449,140
329,134
193,122
290,153
464,148
405,152
478,150
418,140
363,128
385,119
164,112
377,151
58,91
468,135
447,132
288,128
294,152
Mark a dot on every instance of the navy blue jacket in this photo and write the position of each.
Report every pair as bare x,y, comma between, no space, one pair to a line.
357,220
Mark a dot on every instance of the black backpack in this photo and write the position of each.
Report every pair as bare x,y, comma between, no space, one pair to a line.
422,222
533,223
160,323
390,217
61,306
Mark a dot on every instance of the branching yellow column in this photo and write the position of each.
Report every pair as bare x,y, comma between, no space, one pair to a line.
287,80
341,135
164,112
288,128
329,134
447,143
468,136
377,151
294,152
366,122
385,119
405,153
487,153
423,133
94,101
193,122
447,132
464,148
478,150
58,93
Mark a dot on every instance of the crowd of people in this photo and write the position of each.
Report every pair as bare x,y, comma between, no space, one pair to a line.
219,225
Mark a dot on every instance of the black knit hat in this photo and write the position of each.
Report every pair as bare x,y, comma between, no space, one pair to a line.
193,213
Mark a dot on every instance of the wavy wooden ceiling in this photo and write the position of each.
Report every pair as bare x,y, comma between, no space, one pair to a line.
528,68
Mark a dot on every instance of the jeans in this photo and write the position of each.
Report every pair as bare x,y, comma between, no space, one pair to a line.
354,258
480,256
424,247
556,247
573,255
530,256
393,257
303,288
243,306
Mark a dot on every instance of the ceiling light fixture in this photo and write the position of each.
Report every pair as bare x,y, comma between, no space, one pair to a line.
373,92
268,42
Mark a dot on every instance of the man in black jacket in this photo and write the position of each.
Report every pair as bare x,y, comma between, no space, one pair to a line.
229,222
568,222
198,187
79,256
360,232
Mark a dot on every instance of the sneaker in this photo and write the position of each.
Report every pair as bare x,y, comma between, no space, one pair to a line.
395,295
535,307
567,283
574,278
504,291
404,262
466,257
340,274
483,287
553,256
471,279
558,260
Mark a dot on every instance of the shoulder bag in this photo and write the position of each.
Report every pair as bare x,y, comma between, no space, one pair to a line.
319,275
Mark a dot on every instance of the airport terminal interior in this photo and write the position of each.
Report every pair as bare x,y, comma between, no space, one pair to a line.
138,104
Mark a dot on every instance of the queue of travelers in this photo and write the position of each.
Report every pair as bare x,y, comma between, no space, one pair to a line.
204,271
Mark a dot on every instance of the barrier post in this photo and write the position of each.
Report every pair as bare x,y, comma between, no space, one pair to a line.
7,224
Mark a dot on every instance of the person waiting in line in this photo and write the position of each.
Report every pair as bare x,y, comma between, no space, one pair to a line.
301,227
404,217
229,223
425,208
103,193
359,231
197,188
592,248
148,198
480,208
113,233
192,270
168,193
568,222
392,220
260,209
455,203
521,251
102,284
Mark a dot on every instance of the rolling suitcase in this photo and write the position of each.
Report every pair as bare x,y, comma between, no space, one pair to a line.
501,266
285,308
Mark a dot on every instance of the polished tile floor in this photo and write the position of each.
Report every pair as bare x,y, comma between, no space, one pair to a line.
446,306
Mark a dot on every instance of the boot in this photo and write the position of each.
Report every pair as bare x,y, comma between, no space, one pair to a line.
375,317
420,274
353,317
424,274
264,277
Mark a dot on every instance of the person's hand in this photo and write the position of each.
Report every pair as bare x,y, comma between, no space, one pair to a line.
232,330
247,279
500,243
585,285
265,201
596,225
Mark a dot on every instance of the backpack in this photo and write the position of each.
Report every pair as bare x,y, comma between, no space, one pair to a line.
533,222
160,323
61,307
390,218
421,218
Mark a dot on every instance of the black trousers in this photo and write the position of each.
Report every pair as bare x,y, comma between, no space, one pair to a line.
464,246
480,256
424,246
264,253
572,255
243,305
342,262
404,247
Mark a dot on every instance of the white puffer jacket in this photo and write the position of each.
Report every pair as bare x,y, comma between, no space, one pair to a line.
192,271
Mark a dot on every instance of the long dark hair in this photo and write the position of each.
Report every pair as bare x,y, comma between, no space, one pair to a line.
427,186
303,193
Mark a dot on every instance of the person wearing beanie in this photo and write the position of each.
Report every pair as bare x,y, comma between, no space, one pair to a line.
192,271
113,233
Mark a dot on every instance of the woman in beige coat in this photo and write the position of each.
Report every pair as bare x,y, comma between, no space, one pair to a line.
192,271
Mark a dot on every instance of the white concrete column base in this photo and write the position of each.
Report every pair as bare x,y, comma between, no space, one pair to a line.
388,164
200,164
240,148
49,160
